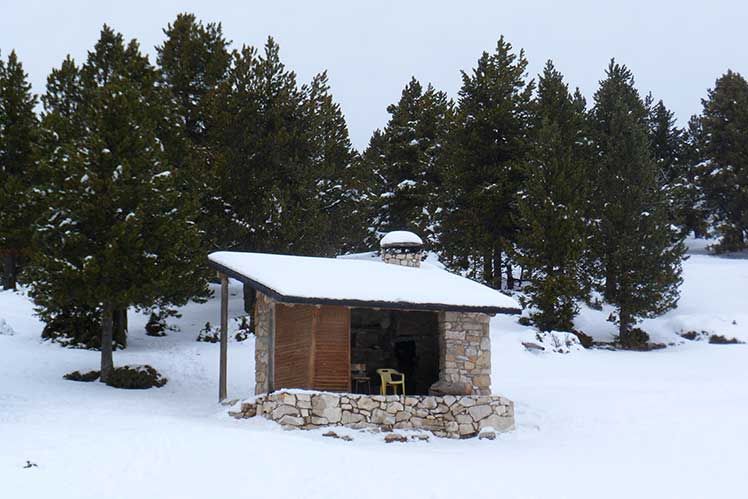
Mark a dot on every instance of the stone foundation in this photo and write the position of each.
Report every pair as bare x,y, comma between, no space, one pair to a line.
447,416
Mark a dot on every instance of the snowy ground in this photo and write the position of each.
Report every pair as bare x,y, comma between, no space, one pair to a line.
664,424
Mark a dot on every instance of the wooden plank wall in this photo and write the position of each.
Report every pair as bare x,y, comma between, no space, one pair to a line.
312,347
332,366
293,340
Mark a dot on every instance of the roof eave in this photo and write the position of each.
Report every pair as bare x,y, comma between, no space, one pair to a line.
436,307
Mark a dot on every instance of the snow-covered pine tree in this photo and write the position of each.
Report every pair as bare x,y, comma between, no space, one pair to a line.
638,251
116,232
723,168
483,165
193,60
340,178
258,147
404,159
553,236
281,152
670,151
18,171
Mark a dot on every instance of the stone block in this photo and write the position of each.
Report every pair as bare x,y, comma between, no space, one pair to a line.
378,416
283,410
394,407
289,420
478,412
351,418
367,403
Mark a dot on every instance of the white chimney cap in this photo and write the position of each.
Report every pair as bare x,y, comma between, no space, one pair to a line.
400,238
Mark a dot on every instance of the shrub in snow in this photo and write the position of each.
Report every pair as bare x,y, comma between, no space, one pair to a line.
5,328
209,334
156,325
694,335
136,378
718,339
636,339
243,330
78,376
212,334
554,341
585,339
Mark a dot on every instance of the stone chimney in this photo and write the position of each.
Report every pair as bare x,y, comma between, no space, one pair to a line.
401,247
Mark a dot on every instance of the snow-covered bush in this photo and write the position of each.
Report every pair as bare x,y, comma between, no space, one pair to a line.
637,339
243,329
718,339
209,334
554,341
212,334
136,377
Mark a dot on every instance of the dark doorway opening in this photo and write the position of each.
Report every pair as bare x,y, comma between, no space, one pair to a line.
403,340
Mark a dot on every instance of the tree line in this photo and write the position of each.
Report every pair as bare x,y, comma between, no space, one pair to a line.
112,195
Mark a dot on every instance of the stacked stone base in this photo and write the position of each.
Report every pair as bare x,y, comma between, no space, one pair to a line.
444,416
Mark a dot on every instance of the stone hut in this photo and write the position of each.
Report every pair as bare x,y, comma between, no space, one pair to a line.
317,317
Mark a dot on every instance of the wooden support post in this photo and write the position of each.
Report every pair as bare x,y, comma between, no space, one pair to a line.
224,336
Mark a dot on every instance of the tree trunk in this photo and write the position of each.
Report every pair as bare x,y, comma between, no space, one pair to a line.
9,270
610,284
119,326
624,325
107,328
509,275
488,269
497,268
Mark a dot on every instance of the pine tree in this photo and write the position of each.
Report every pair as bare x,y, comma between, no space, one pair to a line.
117,232
193,60
284,163
553,208
483,165
639,254
670,151
723,168
340,179
18,171
404,159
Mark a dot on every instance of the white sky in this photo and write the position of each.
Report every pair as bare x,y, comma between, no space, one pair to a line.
370,49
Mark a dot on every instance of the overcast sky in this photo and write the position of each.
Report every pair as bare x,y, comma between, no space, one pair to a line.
676,49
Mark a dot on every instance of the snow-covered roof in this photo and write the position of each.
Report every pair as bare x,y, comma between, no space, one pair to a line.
359,283
400,237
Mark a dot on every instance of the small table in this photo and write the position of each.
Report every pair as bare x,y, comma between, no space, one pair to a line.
360,380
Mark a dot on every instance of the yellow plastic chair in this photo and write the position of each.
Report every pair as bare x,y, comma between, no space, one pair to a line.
386,380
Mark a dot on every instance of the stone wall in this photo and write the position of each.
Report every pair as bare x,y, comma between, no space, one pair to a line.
465,351
264,317
447,416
